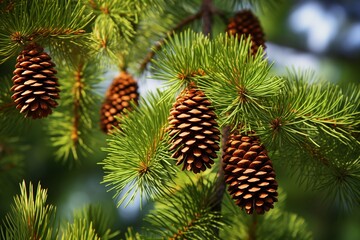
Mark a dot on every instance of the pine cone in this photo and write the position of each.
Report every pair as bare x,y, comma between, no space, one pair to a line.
249,174
245,22
121,92
194,130
34,83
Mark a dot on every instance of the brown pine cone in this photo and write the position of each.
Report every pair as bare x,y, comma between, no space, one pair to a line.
246,23
34,83
120,93
249,174
194,130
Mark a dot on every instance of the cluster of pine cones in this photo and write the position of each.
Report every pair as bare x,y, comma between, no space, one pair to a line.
195,137
193,124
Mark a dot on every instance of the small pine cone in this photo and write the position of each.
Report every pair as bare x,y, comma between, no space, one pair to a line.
249,174
194,130
245,22
34,83
120,93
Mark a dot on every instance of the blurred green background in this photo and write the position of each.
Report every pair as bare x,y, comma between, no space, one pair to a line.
319,35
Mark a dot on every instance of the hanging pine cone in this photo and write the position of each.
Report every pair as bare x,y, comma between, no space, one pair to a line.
120,93
246,23
194,130
249,174
34,83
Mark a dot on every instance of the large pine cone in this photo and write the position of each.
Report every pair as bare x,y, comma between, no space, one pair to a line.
34,83
120,93
246,23
194,130
249,174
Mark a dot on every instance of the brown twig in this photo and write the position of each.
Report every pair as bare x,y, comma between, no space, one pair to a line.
252,227
181,232
6,105
317,154
220,186
207,10
76,110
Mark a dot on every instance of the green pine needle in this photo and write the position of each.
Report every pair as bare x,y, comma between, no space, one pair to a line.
97,218
342,185
238,83
28,22
72,126
187,214
29,217
305,109
132,235
80,229
138,159
284,225
182,59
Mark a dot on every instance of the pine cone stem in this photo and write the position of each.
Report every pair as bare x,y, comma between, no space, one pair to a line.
220,180
252,228
207,16
7,105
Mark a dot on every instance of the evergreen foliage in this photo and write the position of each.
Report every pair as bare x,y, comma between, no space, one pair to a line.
72,125
257,226
138,157
30,217
309,126
188,214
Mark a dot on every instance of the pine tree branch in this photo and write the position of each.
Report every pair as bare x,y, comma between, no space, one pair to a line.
77,90
72,127
161,42
28,22
181,232
187,213
30,217
138,158
316,154
43,32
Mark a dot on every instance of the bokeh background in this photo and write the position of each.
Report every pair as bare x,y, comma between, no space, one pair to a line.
322,35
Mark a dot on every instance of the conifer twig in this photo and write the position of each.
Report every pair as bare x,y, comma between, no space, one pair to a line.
315,153
160,43
220,181
6,105
77,94
207,12
252,227
182,231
